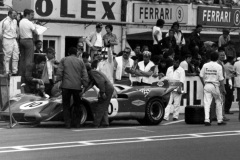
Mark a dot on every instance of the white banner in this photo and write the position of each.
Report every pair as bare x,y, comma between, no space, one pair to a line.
94,10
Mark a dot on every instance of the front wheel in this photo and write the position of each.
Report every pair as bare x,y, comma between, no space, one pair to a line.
79,115
154,112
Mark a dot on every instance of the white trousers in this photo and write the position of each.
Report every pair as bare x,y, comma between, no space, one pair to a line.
10,50
174,101
211,91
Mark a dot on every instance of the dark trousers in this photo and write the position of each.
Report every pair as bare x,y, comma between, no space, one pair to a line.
26,55
66,101
48,87
228,97
101,111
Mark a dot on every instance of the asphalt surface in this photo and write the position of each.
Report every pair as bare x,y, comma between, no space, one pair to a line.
123,140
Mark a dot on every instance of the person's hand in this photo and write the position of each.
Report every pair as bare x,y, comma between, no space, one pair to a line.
103,95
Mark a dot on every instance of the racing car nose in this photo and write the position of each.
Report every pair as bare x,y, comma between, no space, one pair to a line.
32,117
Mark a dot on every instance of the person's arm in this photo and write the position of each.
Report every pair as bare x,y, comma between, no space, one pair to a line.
114,42
88,40
110,55
155,35
60,70
84,75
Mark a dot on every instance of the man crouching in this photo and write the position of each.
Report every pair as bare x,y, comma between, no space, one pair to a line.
106,90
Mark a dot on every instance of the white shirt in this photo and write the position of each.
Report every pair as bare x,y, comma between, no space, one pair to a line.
177,75
50,69
10,28
159,35
26,28
146,68
184,65
178,37
237,70
107,67
212,72
99,40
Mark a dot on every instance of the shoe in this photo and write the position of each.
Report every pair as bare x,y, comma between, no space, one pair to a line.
222,123
225,119
175,119
229,112
207,124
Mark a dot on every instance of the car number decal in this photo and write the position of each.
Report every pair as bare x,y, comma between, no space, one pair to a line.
33,105
113,108
145,91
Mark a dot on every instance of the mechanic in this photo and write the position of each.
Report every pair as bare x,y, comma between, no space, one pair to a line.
212,76
106,88
73,74
145,70
175,73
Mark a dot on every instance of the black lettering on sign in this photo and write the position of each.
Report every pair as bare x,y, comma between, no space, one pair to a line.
64,10
141,13
186,96
166,13
39,7
108,10
156,13
151,13
146,13
195,91
162,14
86,9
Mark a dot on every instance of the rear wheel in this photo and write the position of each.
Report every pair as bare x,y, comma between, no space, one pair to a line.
154,112
79,115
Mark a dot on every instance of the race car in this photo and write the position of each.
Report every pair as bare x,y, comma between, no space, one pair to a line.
146,104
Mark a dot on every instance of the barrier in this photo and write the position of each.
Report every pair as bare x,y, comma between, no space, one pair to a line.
193,88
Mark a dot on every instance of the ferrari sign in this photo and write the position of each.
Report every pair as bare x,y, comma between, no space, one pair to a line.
150,13
99,10
212,16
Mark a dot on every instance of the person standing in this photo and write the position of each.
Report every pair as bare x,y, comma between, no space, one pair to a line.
9,42
110,39
212,76
26,28
224,38
106,90
38,46
187,66
95,40
237,82
180,40
229,86
169,42
73,74
124,62
175,73
106,65
157,36
195,45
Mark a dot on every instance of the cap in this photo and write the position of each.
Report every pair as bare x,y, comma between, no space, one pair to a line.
99,25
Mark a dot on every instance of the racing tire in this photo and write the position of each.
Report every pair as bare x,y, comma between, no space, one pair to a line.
154,112
194,115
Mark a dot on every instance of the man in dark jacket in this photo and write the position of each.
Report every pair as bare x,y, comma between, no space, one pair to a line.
73,74
195,45
106,88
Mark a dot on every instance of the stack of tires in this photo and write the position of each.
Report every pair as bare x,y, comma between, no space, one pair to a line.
194,115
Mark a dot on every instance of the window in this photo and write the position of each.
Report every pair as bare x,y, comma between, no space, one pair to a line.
51,42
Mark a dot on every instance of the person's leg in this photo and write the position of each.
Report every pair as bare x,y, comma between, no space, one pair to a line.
176,104
66,98
77,109
228,98
15,57
238,99
105,121
219,105
207,101
7,50
99,112
22,59
29,52
168,108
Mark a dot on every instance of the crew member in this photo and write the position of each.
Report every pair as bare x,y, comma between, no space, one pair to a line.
73,74
212,76
175,73
106,90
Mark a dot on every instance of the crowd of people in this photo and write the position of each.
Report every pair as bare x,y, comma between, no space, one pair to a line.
172,58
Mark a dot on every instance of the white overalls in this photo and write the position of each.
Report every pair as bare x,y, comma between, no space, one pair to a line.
212,75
